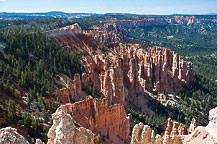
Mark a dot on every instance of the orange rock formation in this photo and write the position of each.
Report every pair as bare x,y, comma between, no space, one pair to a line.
111,122
193,125
104,33
71,37
127,71
175,129
72,91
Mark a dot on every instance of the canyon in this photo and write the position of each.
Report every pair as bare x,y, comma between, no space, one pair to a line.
126,75
127,72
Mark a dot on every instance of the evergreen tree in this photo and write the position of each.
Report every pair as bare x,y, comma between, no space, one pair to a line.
12,112
19,110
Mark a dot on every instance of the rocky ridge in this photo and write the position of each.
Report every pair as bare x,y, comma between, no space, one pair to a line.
72,38
143,21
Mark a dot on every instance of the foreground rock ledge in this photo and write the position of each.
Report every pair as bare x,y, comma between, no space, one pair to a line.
63,130
10,135
143,134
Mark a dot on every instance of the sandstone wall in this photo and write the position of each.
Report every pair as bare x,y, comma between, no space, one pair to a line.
111,122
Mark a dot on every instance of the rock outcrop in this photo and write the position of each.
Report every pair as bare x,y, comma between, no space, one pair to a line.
175,129
72,91
75,28
64,131
192,126
142,134
204,135
111,122
38,141
127,72
9,135
104,33
211,128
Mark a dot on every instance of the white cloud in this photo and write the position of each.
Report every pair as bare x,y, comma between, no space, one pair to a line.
2,0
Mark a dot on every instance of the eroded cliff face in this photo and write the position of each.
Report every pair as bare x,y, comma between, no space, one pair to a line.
72,91
71,37
142,21
127,72
104,33
111,122
174,134
64,131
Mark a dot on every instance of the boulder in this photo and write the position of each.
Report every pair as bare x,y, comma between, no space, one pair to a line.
10,135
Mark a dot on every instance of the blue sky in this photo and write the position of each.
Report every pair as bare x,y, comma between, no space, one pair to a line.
112,6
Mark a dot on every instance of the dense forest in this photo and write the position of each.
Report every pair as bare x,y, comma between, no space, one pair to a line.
29,65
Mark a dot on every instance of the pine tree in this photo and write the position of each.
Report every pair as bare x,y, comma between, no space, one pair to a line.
19,110
12,112
26,120
35,126
44,115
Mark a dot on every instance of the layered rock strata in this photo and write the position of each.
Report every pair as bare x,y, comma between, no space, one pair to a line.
64,131
71,37
111,122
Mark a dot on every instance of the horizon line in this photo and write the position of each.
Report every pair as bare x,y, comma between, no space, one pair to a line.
210,13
